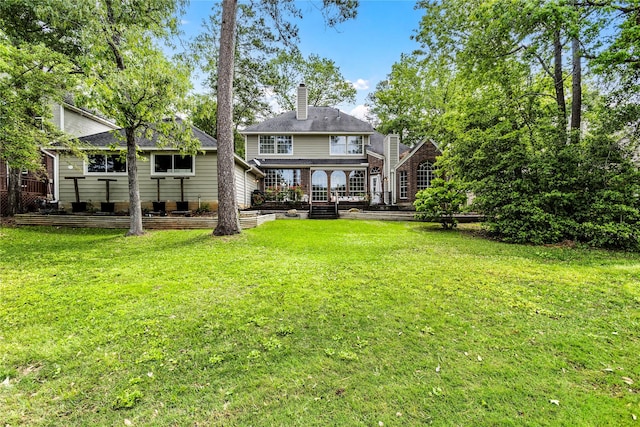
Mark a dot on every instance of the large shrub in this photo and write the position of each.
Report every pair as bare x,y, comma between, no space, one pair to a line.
441,202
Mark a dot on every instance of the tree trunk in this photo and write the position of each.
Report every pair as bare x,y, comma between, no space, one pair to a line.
228,220
14,192
135,210
576,91
558,82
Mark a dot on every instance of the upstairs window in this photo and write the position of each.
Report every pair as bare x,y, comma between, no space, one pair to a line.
172,164
106,163
346,145
276,144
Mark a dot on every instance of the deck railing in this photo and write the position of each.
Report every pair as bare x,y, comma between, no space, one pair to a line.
29,185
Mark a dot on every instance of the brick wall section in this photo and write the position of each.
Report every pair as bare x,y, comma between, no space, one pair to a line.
374,162
305,181
429,152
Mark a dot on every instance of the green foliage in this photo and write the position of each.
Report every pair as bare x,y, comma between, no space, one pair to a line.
441,201
127,399
125,75
414,100
326,87
268,66
256,44
311,321
31,76
504,125
203,114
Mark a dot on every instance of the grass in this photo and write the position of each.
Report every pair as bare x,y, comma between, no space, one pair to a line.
307,323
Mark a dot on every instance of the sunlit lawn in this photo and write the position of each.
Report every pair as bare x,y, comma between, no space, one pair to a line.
307,323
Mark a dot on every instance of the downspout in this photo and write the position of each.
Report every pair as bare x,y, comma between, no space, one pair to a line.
245,186
56,174
393,187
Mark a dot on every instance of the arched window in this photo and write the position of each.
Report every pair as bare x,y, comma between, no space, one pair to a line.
338,183
356,183
375,170
425,175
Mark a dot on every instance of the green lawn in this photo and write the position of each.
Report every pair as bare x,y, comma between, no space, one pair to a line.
314,323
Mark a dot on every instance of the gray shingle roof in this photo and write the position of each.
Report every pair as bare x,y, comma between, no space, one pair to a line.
376,142
108,138
320,120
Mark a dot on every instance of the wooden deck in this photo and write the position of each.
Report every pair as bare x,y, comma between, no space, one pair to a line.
149,223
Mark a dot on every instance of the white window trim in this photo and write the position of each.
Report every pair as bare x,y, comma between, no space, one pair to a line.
153,165
406,184
346,147
275,146
364,182
85,166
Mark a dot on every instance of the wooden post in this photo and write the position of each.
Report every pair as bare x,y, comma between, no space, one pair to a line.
107,181
181,178
157,178
75,185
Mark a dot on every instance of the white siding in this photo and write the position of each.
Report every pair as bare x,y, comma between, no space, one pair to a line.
79,125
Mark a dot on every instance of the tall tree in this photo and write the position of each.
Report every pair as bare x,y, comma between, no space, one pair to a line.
126,76
413,100
325,84
335,11
130,80
203,114
31,77
255,47
537,176
228,220
37,67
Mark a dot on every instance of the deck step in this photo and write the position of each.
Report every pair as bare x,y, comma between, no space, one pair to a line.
323,212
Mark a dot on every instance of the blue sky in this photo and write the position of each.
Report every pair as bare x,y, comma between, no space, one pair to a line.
364,49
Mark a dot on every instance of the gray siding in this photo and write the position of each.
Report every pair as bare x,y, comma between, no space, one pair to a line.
204,184
304,147
245,184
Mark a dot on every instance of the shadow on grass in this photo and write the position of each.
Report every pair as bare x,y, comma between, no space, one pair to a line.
480,242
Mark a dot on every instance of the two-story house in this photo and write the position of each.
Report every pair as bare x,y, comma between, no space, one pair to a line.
321,154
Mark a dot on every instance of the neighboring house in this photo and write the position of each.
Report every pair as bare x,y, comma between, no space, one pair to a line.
322,155
41,185
165,176
34,187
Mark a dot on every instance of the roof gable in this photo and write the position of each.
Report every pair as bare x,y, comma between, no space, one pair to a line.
319,120
415,150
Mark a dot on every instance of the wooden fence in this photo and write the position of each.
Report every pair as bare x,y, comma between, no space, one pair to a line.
150,223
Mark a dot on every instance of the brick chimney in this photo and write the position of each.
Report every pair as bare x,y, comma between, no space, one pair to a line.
302,106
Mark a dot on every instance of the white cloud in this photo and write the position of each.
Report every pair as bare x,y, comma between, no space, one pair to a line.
361,84
360,111
184,22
